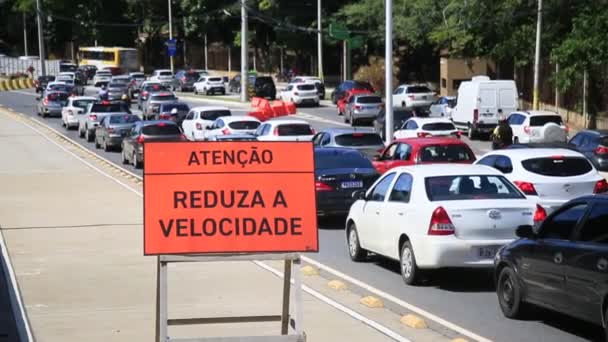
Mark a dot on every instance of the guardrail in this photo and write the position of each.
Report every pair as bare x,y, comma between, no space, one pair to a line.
19,83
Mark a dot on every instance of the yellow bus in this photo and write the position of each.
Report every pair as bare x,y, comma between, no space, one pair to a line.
127,59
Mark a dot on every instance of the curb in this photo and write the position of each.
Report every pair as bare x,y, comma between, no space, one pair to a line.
16,84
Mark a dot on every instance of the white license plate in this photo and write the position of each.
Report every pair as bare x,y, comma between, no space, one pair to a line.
486,252
352,185
485,115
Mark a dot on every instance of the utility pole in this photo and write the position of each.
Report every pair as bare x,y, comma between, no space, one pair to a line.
244,51
206,56
388,69
319,41
40,39
25,51
170,32
184,45
539,19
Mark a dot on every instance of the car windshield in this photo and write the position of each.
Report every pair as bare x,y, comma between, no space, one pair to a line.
161,129
294,129
214,114
358,139
341,159
418,90
215,79
470,187
446,153
83,104
170,97
306,87
541,120
438,126
369,99
244,125
181,107
123,119
558,166
165,73
108,108
259,81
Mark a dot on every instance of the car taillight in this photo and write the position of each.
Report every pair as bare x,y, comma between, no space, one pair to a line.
199,126
475,115
440,223
225,131
600,187
526,188
313,131
93,117
601,150
164,116
411,97
184,79
140,139
110,129
105,102
423,134
458,134
357,107
144,93
45,101
182,137
527,129
320,186
540,214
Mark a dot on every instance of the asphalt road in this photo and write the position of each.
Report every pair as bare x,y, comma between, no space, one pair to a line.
463,297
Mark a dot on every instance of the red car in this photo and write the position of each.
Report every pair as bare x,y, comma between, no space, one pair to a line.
412,151
349,93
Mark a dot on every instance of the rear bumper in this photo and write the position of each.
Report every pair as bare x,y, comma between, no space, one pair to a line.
450,251
308,99
55,111
418,103
334,203
550,205
114,140
367,114
71,121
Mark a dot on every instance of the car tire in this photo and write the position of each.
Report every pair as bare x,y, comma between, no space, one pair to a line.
345,118
510,293
105,145
516,140
97,144
410,272
80,132
403,104
206,92
88,136
136,163
471,133
355,251
123,156
195,91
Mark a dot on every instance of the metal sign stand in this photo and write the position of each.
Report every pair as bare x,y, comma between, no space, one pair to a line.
163,321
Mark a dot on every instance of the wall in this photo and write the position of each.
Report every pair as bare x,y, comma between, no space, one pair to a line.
455,70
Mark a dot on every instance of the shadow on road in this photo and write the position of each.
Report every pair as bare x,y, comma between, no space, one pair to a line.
331,222
566,323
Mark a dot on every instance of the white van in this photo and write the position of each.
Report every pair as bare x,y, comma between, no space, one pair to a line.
480,102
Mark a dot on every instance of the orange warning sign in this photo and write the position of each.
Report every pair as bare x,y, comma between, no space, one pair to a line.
229,197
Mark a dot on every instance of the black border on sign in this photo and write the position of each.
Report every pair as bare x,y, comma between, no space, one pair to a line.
314,167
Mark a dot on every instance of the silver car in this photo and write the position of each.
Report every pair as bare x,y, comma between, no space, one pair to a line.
95,112
364,107
116,90
151,107
364,140
102,77
112,129
51,103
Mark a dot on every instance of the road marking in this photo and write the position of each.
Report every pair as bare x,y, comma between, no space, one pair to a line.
23,92
324,267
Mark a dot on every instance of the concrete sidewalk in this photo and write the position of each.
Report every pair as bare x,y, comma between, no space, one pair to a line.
75,240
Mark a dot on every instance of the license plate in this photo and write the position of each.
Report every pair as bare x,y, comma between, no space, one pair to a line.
352,184
485,115
486,252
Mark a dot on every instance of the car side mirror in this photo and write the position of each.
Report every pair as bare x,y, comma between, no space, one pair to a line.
525,231
377,157
358,195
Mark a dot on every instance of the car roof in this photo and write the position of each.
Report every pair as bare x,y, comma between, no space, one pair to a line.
536,113
427,120
286,121
156,122
434,170
74,98
336,150
235,118
162,70
337,130
529,153
431,141
206,108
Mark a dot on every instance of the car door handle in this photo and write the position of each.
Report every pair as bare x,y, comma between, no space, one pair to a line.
558,258
377,212
602,264
400,214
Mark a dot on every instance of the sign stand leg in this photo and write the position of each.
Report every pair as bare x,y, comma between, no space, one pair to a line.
158,322
162,301
286,297
298,284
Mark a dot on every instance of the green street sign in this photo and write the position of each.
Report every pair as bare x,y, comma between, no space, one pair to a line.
338,31
356,42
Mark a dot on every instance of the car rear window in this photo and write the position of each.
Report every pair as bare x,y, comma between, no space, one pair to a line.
369,99
446,153
155,87
163,98
294,129
470,187
341,159
180,107
361,85
438,126
244,125
165,73
46,78
104,73
161,129
359,139
214,114
558,166
263,80
418,89
306,87
82,103
215,79
541,120
138,76
108,108
192,75
124,119
57,97
118,86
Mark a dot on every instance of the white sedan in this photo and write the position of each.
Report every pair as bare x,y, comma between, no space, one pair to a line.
427,127
437,216
550,176
77,105
285,130
300,94
199,119
242,124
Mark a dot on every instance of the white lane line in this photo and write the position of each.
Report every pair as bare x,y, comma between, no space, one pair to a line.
381,328
337,273
23,92
397,301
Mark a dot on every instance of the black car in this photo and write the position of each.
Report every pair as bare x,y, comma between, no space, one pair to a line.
186,80
345,86
42,82
147,131
594,145
88,70
338,173
263,86
174,111
400,115
234,85
562,265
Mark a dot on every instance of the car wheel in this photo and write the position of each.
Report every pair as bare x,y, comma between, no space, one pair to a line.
44,114
403,104
516,140
97,144
471,133
510,294
354,247
346,118
407,262
123,156
195,91
88,136
353,121
80,132
136,163
105,145
206,92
